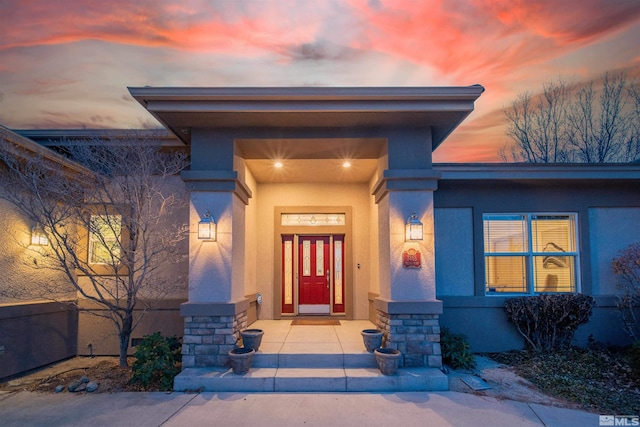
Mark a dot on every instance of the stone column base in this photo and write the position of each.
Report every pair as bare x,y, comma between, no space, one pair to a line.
210,332
416,334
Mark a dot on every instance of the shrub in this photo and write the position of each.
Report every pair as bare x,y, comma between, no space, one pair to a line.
549,322
156,361
456,351
627,267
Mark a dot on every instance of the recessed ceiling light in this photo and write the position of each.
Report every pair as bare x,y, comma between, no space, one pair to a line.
346,165
277,165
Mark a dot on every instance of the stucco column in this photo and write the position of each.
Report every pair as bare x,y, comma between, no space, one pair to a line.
407,284
216,310
407,309
216,273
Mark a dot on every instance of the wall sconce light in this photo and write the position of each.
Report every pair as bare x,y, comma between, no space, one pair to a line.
207,228
413,228
38,236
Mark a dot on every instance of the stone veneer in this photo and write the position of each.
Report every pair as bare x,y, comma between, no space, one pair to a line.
208,339
417,336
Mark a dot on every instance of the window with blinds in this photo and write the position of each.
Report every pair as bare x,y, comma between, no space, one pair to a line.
530,253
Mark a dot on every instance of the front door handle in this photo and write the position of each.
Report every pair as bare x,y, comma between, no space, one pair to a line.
328,278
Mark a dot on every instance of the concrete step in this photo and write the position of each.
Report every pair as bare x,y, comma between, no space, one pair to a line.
311,380
360,359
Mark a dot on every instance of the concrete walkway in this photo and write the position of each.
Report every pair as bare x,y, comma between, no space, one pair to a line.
279,409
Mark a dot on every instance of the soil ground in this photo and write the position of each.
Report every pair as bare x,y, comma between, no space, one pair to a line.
504,383
104,370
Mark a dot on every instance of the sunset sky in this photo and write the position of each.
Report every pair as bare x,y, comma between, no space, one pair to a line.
67,64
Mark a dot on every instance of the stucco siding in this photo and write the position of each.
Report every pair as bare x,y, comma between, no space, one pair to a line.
610,230
608,215
251,249
454,251
98,335
22,280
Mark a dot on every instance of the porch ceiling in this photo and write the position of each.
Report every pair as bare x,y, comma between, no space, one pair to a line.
317,160
312,171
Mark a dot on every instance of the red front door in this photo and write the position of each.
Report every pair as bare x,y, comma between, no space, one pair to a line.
314,275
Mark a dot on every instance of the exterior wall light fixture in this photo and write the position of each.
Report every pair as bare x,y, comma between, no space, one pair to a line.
207,228
413,228
38,236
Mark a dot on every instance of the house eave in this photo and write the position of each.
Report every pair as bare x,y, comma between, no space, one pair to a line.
53,137
180,109
24,147
538,171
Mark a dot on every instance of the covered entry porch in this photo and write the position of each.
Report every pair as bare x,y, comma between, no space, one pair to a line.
238,135
311,358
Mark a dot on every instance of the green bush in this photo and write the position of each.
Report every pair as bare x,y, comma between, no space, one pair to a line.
156,363
549,322
456,351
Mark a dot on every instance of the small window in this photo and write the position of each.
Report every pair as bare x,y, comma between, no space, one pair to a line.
104,235
313,219
530,253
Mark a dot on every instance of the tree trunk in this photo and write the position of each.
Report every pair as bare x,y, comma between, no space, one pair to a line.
125,334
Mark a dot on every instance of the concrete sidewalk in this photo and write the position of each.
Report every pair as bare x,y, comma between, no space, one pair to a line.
279,409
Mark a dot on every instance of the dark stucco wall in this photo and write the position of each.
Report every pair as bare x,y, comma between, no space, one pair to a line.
98,336
36,334
460,250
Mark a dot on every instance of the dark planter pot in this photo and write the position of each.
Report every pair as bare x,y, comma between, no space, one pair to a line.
388,360
241,359
251,338
372,339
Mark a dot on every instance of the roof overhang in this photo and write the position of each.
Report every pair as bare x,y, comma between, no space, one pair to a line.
524,172
57,137
24,148
181,109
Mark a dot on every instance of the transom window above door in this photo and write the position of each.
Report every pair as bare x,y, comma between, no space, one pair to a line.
530,253
313,219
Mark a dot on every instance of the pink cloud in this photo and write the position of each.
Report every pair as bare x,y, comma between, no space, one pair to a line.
568,22
190,26
463,39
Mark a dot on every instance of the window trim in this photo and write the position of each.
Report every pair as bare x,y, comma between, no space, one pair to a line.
84,240
530,254
117,239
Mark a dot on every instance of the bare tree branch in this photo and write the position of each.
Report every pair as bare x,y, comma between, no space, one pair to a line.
571,123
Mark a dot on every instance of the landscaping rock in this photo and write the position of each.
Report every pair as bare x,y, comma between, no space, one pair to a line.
91,387
84,379
74,386
59,389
